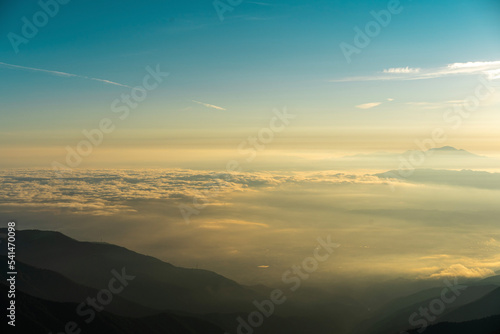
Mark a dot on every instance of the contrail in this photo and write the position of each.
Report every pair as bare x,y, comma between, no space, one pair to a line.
63,74
209,105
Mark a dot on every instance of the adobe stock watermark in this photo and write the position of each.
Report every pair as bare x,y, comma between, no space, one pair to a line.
372,29
223,6
430,313
30,27
454,118
121,106
248,148
104,297
294,276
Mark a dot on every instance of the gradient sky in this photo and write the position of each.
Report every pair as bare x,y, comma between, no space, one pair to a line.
227,79
263,55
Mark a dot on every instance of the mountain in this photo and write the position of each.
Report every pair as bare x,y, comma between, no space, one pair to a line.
57,268
488,280
490,325
394,316
486,306
155,284
52,286
39,316
445,157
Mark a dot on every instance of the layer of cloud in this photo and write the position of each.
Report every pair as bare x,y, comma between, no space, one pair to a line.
462,178
107,192
419,230
110,192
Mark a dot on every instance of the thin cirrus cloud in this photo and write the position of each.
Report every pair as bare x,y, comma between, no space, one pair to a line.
372,104
491,69
209,105
368,105
62,74
402,70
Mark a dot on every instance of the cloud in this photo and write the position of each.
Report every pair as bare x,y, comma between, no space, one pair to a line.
124,206
437,256
63,74
472,64
459,270
492,243
111,191
209,105
437,105
369,105
489,68
402,70
390,99
461,178
108,192
493,74
231,223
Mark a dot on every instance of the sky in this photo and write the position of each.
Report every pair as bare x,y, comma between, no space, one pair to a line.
261,56
116,115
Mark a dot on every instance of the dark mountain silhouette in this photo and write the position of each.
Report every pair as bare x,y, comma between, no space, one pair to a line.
62,272
52,286
38,316
394,316
488,280
157,284
488,305
74,270
490,325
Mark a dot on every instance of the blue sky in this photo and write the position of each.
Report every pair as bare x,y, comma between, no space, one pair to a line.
263,55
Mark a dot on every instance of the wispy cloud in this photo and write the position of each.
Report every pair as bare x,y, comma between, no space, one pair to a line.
62,74
230,223
402,70
369,105
489,68
435,105
493,74
462,271
209,105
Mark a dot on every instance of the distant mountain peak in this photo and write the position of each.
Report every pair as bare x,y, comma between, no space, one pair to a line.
446,148
450,150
